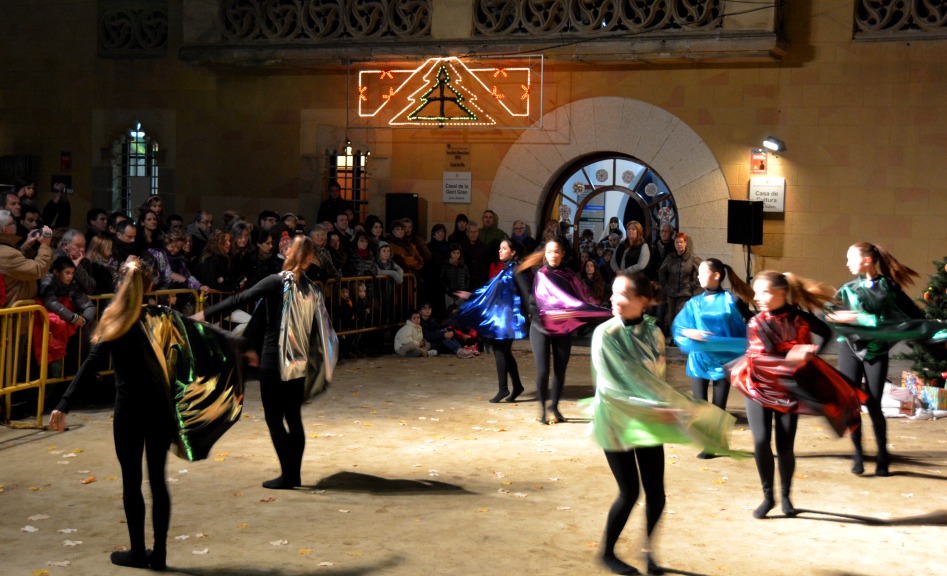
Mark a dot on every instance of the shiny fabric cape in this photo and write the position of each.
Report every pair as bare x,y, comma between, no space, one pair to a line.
494,310
881,323
308,345
201,369
563,300
634,406
716,313
813,387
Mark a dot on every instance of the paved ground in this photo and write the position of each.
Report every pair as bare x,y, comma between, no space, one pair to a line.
410,471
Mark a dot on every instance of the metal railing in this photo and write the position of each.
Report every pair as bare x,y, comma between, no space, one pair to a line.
22,368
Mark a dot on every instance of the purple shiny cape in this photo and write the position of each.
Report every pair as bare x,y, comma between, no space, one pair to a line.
564,301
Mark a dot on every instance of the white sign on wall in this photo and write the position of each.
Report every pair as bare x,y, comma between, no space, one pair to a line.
770,191
456,188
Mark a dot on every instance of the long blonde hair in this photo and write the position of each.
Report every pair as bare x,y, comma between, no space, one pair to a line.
300,254
134,280
800,291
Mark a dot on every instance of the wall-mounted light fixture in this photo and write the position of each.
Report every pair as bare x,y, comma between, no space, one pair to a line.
775,144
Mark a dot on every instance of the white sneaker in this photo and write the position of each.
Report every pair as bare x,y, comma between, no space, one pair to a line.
432,352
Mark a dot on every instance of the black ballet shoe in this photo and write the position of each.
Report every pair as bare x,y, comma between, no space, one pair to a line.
616,566
653,567
706,456
158,559
881,469
542,418
557,417
129,559
517,390
858,464
788,508
279,483
500,396
763,509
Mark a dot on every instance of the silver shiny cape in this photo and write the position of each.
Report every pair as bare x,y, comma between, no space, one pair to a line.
308,346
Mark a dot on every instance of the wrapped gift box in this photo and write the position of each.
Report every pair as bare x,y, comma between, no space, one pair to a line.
912,382
934,398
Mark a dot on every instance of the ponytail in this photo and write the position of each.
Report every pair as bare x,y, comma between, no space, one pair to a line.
887,264
134,279
809,294
738,287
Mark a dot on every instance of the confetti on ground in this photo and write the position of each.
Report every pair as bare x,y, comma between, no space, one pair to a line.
520,494
71,542
326,564
201,551
111,477
78,451
503,491
304,551
269,499
499,474
200,535
183,537
172,479
561,508
279,542
800,476
69,456
344,511
60,563
36,517
88,480
68,530
42,572
720,480
908,494
433,473
483,509
243,525
182,471
29,529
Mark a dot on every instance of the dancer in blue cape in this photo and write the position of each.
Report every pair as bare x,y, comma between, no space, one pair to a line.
711,330
635,412
495,310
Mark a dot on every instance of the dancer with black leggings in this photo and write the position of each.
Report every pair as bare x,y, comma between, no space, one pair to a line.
148,405
496,312
873,313
635,412
298,353
711,330
781,376
558,300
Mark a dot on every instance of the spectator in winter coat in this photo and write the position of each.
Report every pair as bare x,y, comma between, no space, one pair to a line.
678,278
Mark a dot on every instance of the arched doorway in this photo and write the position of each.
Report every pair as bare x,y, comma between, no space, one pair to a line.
598,187
624,126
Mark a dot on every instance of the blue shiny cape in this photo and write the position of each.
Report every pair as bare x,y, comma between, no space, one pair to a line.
494,310
716,313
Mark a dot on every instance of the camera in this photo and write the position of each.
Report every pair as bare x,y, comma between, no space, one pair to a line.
47,233
67,191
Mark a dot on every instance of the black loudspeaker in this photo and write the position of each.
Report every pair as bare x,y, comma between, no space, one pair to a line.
405,206
744,222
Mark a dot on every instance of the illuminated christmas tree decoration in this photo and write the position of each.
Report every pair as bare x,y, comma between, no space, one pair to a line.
448,91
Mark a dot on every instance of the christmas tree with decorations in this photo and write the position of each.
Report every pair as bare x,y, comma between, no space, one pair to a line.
932,367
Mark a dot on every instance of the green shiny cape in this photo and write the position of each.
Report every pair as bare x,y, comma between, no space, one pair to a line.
201,370
633,405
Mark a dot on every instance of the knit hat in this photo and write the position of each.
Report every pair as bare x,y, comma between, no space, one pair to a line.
285,240
382,244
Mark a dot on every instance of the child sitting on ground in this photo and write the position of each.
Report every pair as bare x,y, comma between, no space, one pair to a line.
409,340
441,339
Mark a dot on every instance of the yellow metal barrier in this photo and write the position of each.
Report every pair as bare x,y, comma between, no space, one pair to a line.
389,306
18,370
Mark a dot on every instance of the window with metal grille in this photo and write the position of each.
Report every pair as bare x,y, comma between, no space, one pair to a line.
134,170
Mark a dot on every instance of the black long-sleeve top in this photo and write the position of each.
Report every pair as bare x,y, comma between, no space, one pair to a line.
270,290
139,385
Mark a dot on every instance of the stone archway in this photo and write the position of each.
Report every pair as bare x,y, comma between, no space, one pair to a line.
623,125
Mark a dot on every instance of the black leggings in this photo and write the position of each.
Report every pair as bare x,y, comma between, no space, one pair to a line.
561,348
761,425
875,372
650,462
135,435
721,390
282,409
506,365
